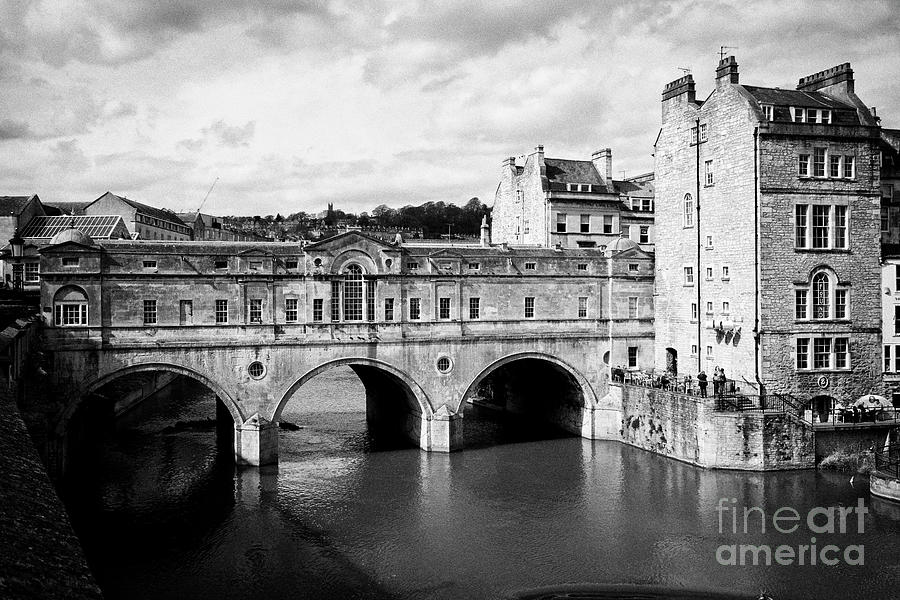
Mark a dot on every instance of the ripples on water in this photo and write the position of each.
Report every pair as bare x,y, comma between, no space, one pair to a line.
164,515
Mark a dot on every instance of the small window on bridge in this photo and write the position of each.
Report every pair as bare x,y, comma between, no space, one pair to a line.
444,364
388,309
634,267
474,266
149,312
149,264
291,264
255,310
290,310
530,266
582,307
221,264
70,261
221,311
256,370
529,307
444,309
412,265
474,308
415,309
582,266
317,309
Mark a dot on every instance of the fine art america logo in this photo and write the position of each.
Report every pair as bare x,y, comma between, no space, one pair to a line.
819,520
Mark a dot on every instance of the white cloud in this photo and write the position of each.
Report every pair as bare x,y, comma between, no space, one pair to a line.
293,105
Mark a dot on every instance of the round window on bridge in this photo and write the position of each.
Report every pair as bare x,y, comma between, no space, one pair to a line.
256,370
444,364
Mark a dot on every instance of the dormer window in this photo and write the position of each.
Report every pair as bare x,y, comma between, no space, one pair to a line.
810,115
578,187
767,111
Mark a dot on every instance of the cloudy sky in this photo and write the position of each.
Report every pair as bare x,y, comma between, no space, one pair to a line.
293,104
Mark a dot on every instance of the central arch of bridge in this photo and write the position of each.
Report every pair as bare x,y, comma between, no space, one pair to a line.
535,386
396,406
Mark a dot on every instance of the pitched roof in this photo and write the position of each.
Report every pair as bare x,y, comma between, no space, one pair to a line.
639,187
65,208
13,205
780,97
98,227
150,211
561,170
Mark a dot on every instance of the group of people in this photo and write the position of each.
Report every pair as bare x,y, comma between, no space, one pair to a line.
663,381
718,382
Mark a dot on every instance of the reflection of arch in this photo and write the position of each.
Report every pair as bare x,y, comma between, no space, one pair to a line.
423,406
99,382
590,399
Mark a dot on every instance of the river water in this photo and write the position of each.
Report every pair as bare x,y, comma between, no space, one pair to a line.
163,514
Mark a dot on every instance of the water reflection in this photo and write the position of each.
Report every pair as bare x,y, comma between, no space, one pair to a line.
164,515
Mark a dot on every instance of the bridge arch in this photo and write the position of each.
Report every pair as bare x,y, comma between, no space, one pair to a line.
98,382
416,396
590,398
534,388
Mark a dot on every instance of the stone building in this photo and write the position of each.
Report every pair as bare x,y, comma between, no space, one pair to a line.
570,203
890,259
145,222
212,228
767,235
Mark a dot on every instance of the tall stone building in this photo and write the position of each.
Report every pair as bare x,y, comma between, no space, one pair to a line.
767,235
570,203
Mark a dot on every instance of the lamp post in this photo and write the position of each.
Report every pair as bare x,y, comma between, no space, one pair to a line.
17,249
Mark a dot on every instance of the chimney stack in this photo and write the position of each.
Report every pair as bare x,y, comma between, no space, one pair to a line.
485,232
727,71
840,77
681,86
602,160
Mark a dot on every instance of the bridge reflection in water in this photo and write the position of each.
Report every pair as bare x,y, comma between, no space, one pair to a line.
164,515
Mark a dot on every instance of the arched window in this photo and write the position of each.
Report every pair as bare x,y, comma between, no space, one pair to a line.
354,291
821,296
688,210
70,307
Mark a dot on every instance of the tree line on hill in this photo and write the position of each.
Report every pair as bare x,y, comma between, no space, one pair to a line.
433,219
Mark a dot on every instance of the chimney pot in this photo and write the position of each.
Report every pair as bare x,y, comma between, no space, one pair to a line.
727,71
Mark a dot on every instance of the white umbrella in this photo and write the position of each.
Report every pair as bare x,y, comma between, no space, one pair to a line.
870,400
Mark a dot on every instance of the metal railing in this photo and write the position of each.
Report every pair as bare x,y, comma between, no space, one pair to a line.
871,415
727,396
682,385
887,460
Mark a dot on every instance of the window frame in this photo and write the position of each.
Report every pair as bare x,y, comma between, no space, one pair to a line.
474,308
150,312
529,307
220,311
291,310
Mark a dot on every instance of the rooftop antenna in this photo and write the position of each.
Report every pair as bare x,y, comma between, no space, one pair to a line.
722,50
207,194
684,70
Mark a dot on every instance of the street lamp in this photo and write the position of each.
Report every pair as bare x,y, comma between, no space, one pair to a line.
17,249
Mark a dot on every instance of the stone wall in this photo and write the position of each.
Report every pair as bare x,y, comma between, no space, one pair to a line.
688,428
41,557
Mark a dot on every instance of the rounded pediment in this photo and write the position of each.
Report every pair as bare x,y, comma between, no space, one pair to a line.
72,235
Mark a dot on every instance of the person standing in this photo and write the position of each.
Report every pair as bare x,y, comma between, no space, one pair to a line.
702,382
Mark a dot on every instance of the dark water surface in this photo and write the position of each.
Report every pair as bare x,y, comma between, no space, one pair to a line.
163,515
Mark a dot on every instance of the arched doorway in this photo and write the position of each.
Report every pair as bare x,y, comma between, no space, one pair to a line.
822,408
672,361
392,409
525,397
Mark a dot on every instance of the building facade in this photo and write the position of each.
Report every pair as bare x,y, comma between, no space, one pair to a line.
767,235
145,222
570,203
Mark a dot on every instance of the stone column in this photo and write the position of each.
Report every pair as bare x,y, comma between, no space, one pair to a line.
446,430
256,442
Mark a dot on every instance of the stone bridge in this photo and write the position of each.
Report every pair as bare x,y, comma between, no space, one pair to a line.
423,327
